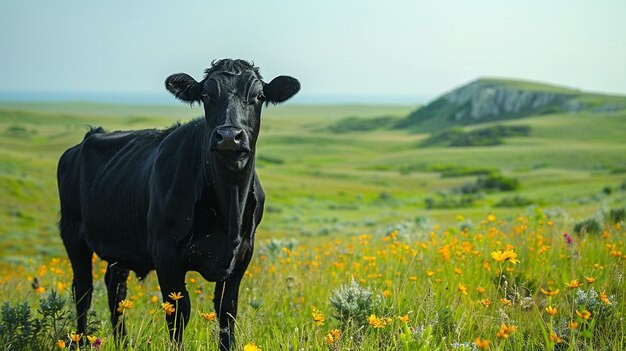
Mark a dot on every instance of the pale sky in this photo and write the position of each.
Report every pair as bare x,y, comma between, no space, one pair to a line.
335,48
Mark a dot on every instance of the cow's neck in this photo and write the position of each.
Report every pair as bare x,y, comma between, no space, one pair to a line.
231,189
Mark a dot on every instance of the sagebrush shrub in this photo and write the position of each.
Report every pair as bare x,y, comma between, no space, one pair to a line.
352,303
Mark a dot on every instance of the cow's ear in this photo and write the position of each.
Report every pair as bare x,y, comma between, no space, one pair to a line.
280,89
184,87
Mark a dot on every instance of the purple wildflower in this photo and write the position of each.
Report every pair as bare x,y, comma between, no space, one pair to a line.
96,344
568,239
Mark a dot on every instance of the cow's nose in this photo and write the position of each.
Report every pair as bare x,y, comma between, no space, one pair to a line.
228,139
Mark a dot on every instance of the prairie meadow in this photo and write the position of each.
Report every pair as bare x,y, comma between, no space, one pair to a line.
371,240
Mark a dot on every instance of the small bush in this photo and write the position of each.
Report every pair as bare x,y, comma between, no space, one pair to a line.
515,201
17,131
490,183
449,171
261,159
617,215
591,301
273,209
54,316
385,196
590,226
489,136
274,248
409,231
449,200
17,328
497,183
618,170
352,303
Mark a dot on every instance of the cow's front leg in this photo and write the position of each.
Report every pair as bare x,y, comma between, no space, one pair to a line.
176,303
225,303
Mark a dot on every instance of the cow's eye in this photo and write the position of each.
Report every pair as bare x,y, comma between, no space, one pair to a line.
260,97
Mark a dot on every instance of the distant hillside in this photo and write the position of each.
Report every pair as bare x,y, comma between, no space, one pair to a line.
498,99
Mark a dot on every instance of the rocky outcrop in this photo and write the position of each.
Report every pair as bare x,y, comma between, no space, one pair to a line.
492,99
480,100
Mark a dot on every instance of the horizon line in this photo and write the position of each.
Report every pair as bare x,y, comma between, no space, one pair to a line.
164,98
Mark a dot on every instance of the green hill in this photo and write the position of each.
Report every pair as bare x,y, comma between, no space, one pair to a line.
492,99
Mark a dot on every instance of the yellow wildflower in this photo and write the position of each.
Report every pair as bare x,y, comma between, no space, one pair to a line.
555,338
168,308
481,290
375,321
251,347
505,301
604,298
506,255
329,339
505,331
462,289
60,344
485,302
429,273
551,310
458,271
481,344
91,338
574,284
332,336
550,292
125,305
491,218
208,316
175,296
584,314
404,319
318,317
590,280
76,337
573,325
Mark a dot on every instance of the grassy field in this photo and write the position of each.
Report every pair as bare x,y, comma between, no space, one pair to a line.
333,200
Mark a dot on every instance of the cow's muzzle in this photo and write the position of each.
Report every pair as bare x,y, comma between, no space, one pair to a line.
231,139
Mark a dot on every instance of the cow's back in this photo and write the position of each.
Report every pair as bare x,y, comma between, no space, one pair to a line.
103,184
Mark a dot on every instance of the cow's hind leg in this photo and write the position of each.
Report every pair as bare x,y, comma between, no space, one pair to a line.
115,280
80,256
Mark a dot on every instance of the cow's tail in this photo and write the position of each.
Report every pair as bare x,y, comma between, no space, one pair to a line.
94,130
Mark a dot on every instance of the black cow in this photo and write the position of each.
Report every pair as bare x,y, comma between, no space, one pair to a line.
182,199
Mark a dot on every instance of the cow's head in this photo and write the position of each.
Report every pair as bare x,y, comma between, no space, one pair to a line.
232,93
